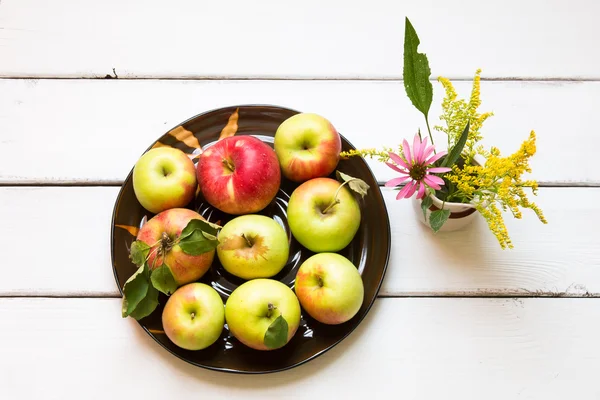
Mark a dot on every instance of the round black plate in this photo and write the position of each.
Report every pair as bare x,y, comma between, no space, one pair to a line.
369,251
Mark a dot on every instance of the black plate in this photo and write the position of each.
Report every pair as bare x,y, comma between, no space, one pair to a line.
369,250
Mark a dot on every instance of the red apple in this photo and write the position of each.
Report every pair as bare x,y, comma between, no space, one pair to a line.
307,146
161,233
239,175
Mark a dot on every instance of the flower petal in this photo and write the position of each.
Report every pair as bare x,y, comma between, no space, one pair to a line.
395,168
436,157
404,190
439,170
426,153
396,181
436,179
412,189
398,160
406,148
421,192
417,149
432,184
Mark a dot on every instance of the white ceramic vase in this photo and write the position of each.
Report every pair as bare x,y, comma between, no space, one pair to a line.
461,214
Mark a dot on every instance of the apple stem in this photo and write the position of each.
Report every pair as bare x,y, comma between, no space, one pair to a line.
335,199
228,164
248,242
270,310
193,315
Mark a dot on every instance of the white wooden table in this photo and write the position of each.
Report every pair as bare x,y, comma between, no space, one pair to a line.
457,318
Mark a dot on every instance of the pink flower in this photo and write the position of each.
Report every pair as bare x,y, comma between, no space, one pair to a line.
417,169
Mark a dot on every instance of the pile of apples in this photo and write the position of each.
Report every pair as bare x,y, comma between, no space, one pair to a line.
241,175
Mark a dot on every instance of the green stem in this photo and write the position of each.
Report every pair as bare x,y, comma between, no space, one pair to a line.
335,199
430,135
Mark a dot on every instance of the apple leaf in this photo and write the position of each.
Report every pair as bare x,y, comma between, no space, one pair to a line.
196,243
277,333
416,71
357,185
139,252
425,204
438,218
135,289
163,280
201,225
147,305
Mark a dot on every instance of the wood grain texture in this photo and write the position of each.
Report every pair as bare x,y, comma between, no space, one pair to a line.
85,131
412,348
312,39
60,246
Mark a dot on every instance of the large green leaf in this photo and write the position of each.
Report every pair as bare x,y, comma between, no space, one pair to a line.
197,243
277,333
198,224
416,72
147,305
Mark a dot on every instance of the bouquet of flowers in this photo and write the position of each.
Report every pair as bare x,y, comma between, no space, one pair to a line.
465,173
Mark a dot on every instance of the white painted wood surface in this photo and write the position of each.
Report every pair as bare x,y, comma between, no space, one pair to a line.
406,348
94,131
311,39
482,329
71,231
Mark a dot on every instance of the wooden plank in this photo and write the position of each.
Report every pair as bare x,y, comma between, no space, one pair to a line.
87,131
315,39
59,241
499,348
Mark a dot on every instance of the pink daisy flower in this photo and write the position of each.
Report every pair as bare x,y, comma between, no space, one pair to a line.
417,169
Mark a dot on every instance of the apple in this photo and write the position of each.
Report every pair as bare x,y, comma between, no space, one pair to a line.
329,288
194,316
239,175
255,305
164,178
253,246
307,146
317,221
161,233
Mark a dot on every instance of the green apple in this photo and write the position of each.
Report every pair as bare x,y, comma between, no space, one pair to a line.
253,246
329,288
194,316
255,307
307,146
321,217
164,178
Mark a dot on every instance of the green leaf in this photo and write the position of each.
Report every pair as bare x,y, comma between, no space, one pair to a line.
163,280
147,305
196,243
198,224
276,335
139,252
454,153
357,185
416,71
425,204
134,290
438,218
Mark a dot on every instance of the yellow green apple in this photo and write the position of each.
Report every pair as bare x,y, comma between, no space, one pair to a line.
329,288
307,146
253,246
194,316
263,314
164,178
322,216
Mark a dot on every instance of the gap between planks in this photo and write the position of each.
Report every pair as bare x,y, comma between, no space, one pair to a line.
300,78
118,183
